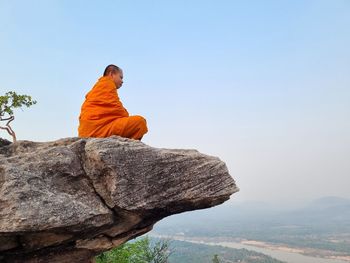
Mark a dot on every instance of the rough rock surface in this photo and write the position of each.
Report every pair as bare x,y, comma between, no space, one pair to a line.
68,200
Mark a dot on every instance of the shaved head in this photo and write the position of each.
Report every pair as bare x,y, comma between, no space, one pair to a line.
111,69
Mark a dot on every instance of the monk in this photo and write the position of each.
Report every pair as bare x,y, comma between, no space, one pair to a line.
103,114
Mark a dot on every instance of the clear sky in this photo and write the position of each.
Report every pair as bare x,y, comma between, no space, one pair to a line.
264,85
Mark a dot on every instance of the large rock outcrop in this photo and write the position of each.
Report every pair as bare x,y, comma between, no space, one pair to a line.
68,200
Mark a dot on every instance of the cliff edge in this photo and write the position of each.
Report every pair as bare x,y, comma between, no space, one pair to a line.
68,200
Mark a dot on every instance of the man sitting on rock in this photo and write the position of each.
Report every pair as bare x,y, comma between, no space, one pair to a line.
102,113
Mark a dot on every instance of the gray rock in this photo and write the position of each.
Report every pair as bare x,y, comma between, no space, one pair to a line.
4,142
68,200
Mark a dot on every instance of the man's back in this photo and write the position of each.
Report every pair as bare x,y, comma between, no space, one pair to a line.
102,100
103,114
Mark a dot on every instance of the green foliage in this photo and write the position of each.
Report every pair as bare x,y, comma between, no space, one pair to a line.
12,100
8,102
140,251
216,259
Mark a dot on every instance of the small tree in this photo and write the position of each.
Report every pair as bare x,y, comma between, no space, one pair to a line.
215,259
8,103
142,250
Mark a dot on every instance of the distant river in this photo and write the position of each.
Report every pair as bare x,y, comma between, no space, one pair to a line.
280,255
285,256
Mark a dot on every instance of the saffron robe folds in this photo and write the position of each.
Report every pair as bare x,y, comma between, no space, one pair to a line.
103,114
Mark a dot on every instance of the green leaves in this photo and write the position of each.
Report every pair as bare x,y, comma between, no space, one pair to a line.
215,259
140,251
8,103
12,100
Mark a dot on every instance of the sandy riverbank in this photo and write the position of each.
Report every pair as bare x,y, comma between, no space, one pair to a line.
304,251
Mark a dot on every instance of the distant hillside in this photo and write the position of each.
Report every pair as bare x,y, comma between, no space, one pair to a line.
322,224
324,214
186,252
330,203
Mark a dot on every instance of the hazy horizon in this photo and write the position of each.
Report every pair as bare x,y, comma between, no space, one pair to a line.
265,86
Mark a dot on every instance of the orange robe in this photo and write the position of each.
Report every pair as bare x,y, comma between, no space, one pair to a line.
103,115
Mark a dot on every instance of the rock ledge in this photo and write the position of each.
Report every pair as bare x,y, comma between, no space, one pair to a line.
68,200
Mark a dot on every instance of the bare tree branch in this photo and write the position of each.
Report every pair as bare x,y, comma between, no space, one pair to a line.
5,119
8,127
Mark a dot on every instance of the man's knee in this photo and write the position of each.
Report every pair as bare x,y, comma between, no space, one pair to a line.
141,121
138,127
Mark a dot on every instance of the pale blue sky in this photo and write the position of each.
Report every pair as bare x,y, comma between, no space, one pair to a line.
264,85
